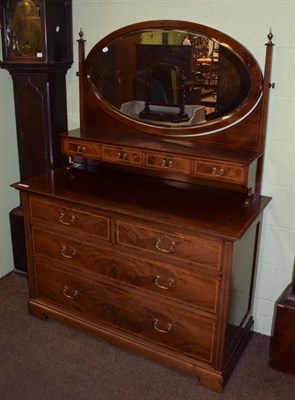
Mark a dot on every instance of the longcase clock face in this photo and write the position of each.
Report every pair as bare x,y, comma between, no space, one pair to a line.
23,30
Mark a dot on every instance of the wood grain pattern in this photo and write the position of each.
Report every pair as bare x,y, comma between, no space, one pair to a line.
106,275
170,244
71,218
121,308
173,282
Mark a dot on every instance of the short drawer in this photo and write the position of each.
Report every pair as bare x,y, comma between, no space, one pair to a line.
165,280
81,149
168,162
220,171
121,155
169,245
64,249
72,219
152,320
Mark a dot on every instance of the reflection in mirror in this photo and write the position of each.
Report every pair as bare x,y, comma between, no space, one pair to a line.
170,77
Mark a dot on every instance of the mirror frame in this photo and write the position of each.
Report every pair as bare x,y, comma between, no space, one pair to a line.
215,125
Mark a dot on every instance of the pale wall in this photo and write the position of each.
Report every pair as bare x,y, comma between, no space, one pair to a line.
9,169
249,23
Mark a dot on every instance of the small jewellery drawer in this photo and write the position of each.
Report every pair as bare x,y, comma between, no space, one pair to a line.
168,162
220,171
165,280
169,245
153,320
81,149
62,215
121,155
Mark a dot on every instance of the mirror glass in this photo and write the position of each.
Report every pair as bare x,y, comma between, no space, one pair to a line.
170,77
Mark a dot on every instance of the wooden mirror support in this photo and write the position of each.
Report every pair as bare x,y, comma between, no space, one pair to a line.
224,152
156,208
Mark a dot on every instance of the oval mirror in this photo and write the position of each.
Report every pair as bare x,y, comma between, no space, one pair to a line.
174,77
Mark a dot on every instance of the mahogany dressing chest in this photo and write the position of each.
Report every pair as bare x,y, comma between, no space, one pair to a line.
149,237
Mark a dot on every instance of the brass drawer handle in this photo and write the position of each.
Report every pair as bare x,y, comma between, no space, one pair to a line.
171,250
156,327
215,171
170,283
167,163
80,149
70,222
63,253
70,296
121,156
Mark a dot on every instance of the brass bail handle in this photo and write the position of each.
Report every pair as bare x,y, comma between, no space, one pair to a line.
158,246
165,331
65,255
73,296
68,223
158,284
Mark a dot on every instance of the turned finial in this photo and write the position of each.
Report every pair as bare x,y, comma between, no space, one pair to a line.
81,34
270,36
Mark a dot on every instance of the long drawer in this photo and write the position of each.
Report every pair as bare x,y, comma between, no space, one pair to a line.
166,280
169,325
170,245
62,215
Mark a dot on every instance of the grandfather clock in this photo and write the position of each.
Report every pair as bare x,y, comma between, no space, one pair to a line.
37,52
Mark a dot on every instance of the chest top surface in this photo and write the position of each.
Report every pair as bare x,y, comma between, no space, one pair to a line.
189,207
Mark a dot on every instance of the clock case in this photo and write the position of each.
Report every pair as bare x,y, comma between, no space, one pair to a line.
56,31
40,99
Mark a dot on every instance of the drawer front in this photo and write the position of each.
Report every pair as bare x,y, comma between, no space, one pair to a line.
70,218
165,280
220,171
169,245
61,248
164,324
121,155
168,162
81,149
